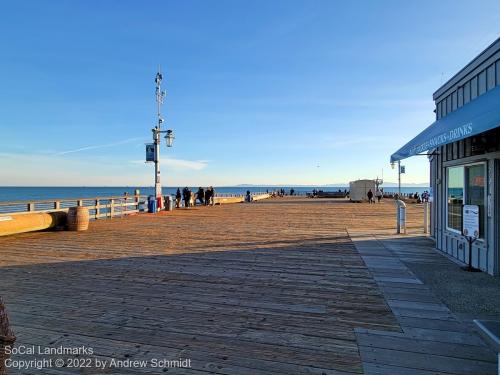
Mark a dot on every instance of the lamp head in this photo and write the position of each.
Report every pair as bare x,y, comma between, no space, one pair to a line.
169,138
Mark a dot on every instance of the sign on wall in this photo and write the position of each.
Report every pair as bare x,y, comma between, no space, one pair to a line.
150,152
470,226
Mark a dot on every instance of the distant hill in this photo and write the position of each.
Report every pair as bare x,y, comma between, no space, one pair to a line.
386,184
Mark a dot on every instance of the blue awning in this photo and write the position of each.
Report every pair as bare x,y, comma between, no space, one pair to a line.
478,116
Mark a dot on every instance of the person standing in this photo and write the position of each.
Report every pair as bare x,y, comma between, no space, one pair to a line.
178,198
201,195
370,196
212,196
207,196
186,197
192,198
378,194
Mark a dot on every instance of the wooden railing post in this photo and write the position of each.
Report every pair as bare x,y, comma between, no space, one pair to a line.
111,208
97,209
79,203
57,205
31,206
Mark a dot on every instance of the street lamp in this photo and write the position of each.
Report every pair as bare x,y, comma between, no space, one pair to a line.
169,137
401,169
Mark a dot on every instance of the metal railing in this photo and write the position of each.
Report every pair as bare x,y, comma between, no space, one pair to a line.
99,207
233,195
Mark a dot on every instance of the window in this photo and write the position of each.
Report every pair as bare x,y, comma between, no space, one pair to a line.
455,197
466,185
475,191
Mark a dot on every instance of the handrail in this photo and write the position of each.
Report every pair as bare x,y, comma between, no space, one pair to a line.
239,194
99,207
7,203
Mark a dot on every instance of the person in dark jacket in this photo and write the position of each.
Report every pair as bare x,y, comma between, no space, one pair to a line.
370,196
178,198
207,196
186,196
201,195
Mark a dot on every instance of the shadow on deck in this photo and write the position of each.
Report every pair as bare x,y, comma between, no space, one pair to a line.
287,310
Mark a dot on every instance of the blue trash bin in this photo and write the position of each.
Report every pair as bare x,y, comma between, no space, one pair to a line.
151,205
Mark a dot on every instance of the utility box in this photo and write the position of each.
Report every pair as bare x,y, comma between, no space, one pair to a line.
359,188
169,203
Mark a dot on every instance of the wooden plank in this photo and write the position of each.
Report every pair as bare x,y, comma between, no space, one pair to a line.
270,288
396,341
427,362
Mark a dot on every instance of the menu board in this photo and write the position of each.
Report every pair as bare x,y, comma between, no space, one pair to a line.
470,226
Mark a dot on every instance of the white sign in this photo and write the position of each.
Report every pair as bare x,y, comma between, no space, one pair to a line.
403,169
470,227
150,152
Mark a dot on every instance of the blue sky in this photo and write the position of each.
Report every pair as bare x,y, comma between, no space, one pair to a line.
261,92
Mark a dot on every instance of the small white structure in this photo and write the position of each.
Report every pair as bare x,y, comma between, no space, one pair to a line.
359,188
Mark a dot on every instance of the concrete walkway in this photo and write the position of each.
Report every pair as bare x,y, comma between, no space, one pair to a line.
434,341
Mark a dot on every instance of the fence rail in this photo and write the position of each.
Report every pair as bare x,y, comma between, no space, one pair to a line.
99,207
102,207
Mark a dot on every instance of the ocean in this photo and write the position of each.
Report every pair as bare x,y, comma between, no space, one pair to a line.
23,193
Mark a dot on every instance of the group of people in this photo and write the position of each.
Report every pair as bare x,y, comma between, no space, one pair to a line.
281,192
371,197
421,198
204,196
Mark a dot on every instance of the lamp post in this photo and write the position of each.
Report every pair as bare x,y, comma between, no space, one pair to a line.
401,169
169,137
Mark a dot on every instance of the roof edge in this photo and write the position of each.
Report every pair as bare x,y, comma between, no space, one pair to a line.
483,56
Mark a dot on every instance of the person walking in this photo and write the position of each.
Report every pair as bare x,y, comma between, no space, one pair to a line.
370,196
378,194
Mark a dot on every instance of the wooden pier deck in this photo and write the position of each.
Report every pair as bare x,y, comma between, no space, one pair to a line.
274,287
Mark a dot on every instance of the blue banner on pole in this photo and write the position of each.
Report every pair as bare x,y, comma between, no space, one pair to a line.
150,152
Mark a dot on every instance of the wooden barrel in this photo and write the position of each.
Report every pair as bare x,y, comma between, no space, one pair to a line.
78,218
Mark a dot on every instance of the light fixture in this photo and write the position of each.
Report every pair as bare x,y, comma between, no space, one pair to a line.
169,138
